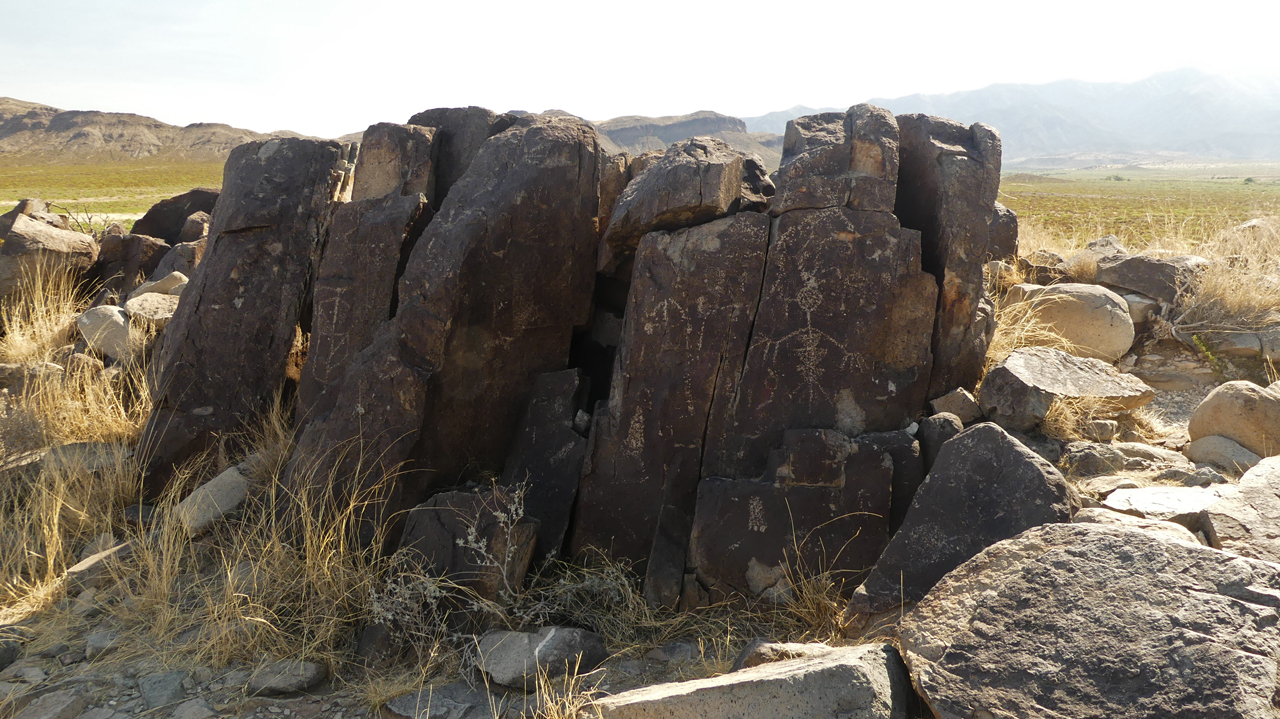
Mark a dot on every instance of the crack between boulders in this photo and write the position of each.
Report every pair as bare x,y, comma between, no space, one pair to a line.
755,314
706,420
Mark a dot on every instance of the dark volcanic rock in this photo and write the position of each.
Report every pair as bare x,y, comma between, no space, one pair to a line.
371,238
840,339
547,456
839,159
985,486
1160,278
685,334
396,159
935,432
825,503
460,132
1088,620
468,538
909,468
1003,231
947,184
489,300
123,258
224,352
166,218
696,181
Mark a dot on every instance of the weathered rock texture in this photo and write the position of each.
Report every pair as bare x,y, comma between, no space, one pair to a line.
1246,520
1242,412
839,159
546,457
489,299
1160,278
32,246
947,182
166,218
1017,393
223,355
825,502
1003,232
866,682
1081,620
840,339
369,244
1095,320
985,486
516,659
460,132
685,333
696,181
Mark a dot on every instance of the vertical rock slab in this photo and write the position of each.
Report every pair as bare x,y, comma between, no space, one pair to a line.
985,487
547,455
166,218
1003,233
688,319
461,131
224,353
369,244
1088,620
823,506
489,300
840,339
948,178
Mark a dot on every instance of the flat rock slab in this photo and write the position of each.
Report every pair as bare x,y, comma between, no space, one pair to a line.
1165,530
1181,505
285,677
1160,278
212,501
63,704
516,659
1246,519
866,682
985,487
1017,393
155,308
1088,621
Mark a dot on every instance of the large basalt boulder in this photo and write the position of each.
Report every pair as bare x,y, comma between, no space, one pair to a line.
1095,320
370,240
824,505
475,539
840,339
985,486
166,218
1003,233
839,159
224,353
1161,278
123,258
696,181
1242,412
460,132
31,247
1084,620
547,455
488,300
1017,393
866,682
685,334
948,178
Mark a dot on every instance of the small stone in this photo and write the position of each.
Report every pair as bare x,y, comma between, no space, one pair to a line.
193,709
674,652
64,704
760,651
162,689
1222,453
154,308
85,606
959,403
212,501
100,644
1102,486
1101,430
162,286
105,329
96,571
284,677
514,659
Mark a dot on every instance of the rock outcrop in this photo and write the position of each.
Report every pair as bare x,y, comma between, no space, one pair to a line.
947,183
222,358
166,219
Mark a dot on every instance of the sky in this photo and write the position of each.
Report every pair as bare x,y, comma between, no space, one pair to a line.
330,67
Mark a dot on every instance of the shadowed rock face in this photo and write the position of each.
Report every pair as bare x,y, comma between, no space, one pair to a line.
686,331
166,218
460,132
224,353
489,299
839,339
947,183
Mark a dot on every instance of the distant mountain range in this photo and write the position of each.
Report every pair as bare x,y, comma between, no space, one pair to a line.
1180,116
1185,115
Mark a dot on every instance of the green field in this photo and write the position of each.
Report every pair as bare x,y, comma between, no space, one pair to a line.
118,188
1141,204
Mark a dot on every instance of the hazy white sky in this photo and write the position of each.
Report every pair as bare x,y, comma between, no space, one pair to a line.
328,67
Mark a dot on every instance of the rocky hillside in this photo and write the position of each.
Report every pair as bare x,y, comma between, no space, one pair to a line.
477,406
38,133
